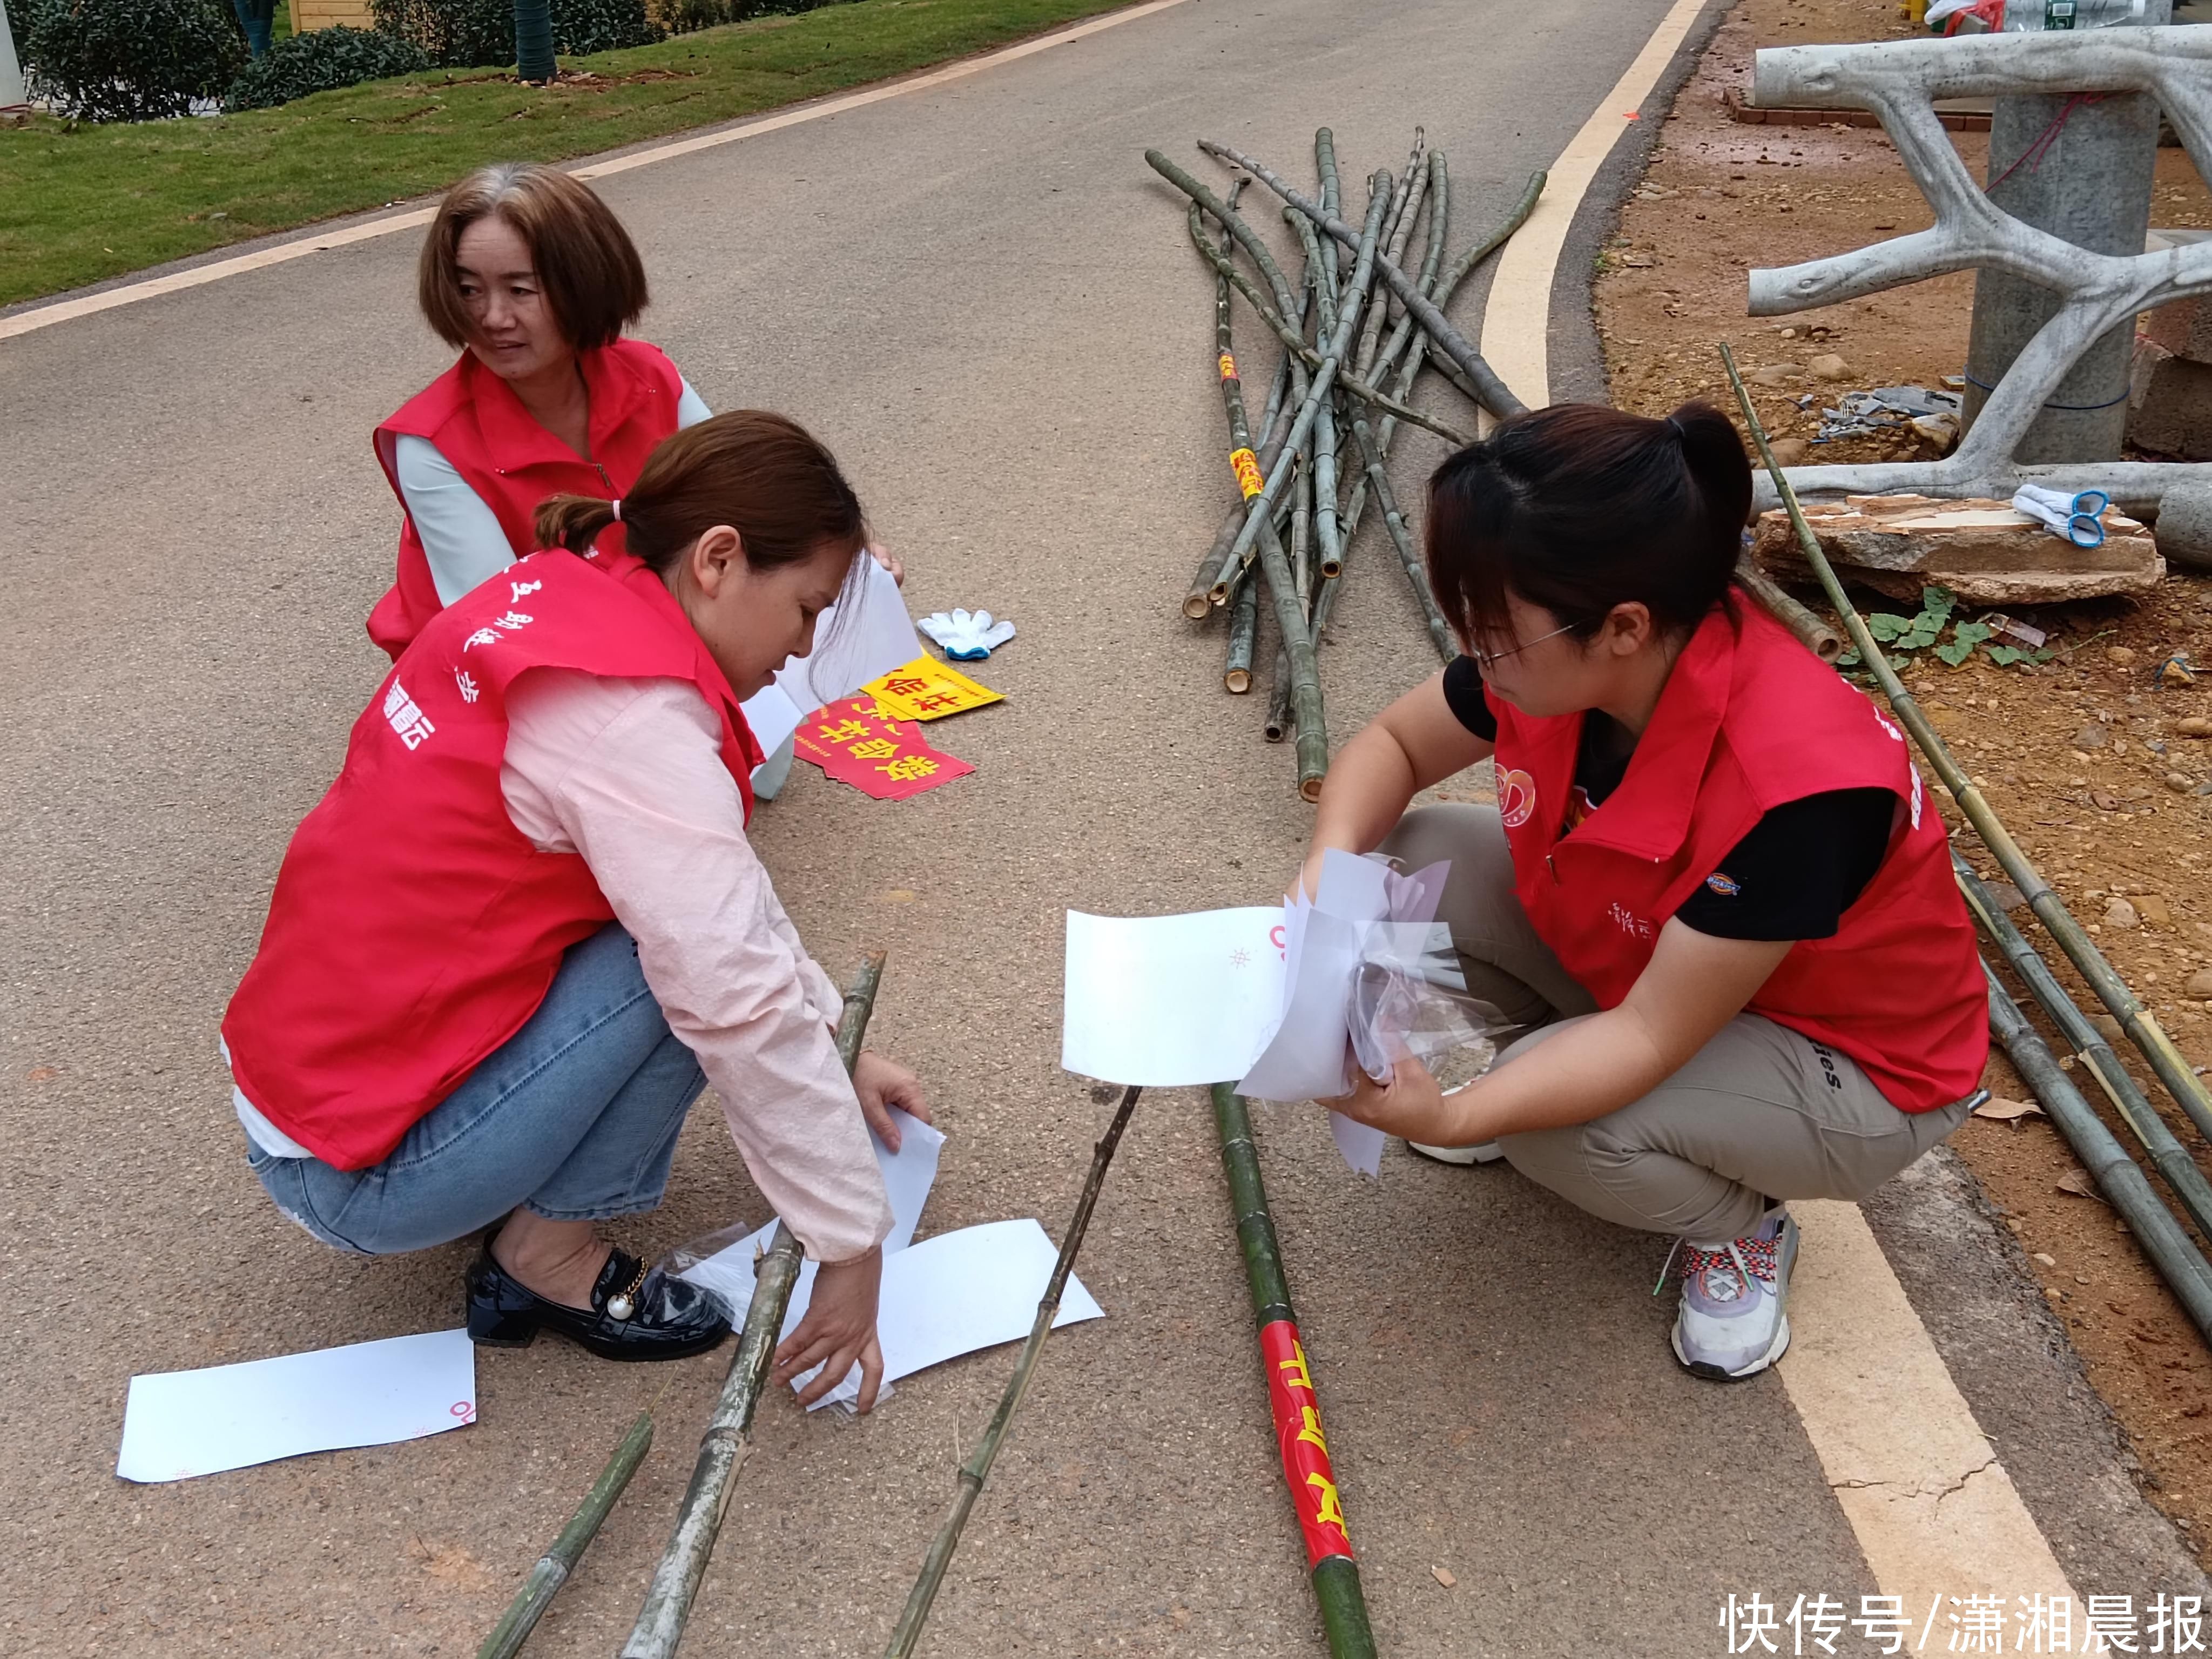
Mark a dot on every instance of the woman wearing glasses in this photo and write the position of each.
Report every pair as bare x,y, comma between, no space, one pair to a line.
1712,889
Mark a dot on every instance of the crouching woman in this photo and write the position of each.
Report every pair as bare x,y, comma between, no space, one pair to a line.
1711,883
525,928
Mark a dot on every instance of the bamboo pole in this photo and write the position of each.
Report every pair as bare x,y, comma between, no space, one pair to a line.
2166,1061
727,1440
1404,213
561,1556
1294,1403
1378,481
1822,640
1277,727
1325,437
2169,1248
977,1469
1490,392
1243,635
1331,192
2168,1154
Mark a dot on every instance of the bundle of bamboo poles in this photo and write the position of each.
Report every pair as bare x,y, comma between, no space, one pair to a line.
1354,332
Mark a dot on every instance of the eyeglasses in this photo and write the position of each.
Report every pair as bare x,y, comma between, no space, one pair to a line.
1484,658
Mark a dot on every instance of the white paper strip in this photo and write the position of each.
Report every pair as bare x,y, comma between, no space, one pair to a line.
1169,1002
180,1424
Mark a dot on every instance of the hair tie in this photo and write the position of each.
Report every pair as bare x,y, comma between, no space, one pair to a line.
1680,434
615,505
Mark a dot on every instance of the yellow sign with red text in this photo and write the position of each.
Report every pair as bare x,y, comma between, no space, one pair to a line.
927,689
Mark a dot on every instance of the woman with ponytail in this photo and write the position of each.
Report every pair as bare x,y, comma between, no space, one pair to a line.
1711,892
524,929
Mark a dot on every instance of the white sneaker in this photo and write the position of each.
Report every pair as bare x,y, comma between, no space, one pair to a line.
1732,1321
1488,1153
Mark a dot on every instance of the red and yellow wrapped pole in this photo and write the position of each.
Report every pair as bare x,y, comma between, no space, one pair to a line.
1291,1396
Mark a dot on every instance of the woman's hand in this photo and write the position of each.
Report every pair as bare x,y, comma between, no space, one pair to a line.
1411,1106
882,1084
839,1330
889,561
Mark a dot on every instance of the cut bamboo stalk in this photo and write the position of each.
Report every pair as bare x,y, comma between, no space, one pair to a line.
1378,481
1244,634
561,1556
2166,1062
1331,192
727,1441
2168,1156
1325,437
1492,392
1822,640
1277,726
1293,1402
977,1469
2177,1259
1405,212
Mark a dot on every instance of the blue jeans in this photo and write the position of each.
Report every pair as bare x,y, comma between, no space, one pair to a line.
574,1117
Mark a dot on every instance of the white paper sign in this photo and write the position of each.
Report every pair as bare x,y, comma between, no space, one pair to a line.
179,1424
877,638
1171,1001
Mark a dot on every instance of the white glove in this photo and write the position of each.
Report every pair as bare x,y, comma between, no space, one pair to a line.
2075,517
966,636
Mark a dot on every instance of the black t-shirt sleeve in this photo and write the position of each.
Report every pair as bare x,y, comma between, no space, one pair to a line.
1463,694
1801,866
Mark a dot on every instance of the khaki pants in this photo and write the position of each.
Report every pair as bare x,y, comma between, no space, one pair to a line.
1759,1113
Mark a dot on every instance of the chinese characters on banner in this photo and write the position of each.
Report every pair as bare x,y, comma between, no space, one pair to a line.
857,742
927,689
1964,1624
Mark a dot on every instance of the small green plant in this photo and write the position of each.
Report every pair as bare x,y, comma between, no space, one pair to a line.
319,61
1905,634
133,60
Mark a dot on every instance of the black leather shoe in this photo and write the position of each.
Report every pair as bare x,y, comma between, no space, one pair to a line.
635,1314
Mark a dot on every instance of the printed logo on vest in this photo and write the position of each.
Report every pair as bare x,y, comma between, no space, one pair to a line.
1726,885
412,725
1628,922
1517,796
465,683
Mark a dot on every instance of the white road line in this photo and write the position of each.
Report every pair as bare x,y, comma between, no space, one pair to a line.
198,276
1935,1513
1516,323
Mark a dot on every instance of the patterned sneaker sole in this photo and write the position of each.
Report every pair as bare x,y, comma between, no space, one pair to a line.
1713,1373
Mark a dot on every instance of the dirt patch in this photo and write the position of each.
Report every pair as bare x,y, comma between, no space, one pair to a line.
2083,756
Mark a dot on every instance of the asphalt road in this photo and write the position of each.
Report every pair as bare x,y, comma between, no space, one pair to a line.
984,301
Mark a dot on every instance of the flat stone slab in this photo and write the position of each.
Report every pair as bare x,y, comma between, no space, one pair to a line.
1981,550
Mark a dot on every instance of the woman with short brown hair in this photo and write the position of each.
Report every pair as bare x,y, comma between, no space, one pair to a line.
532,275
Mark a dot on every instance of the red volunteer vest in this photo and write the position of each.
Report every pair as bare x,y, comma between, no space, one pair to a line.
1750,719
514,464
413,929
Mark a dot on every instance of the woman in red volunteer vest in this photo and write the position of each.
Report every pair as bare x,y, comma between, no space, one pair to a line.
532,277
1712,890
524,929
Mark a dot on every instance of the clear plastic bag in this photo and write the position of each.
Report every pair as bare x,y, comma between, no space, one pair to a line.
1409,1001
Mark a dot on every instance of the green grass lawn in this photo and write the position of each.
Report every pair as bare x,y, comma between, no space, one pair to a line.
78,204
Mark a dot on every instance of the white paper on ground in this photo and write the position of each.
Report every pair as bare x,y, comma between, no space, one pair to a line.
1169,1002
878,637
959,1293
180,1424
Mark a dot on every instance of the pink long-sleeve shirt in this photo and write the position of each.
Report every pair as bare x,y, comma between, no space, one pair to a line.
628,774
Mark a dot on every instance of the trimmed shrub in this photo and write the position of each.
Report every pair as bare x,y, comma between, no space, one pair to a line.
320,60
684,16
472,33
133,60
